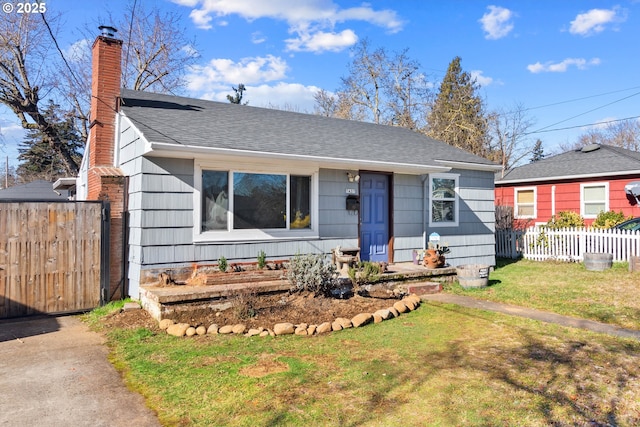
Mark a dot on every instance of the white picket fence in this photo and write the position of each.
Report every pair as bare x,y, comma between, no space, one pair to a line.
568,244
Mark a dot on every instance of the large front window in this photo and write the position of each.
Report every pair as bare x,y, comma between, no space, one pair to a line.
246,201
443,189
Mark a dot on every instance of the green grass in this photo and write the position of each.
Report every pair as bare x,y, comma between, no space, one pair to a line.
610,296
442,365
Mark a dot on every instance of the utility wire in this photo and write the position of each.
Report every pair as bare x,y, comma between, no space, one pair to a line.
586,112
581,126
55,41
580,99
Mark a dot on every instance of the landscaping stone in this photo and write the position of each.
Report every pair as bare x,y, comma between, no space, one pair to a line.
323,328
311,329
385,314
301,330
345,323
377,318
191,331
253,332
394,312
410,304
336,326
401,307
201,330
226,329
239,328
264,333
178,329
283,328
165,323
362,319
213,329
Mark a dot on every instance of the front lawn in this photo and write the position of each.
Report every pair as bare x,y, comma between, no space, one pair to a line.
610,296
439,365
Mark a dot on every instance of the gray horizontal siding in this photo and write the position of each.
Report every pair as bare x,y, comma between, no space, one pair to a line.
334,220
408,206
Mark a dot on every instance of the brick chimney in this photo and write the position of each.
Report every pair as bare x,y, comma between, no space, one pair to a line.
105,181
105,90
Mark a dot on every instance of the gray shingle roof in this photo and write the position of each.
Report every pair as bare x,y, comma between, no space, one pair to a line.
603,161
199,123
36,191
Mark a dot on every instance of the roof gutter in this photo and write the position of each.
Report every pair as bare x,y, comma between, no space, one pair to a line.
472,166
161,149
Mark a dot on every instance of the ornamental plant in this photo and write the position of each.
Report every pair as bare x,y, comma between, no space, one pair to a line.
312,273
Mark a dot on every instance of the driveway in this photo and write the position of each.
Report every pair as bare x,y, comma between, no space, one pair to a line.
54,371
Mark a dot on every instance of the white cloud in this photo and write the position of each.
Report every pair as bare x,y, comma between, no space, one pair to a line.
561,67
78,51
497,22
595,21
313,21
281,95
257,37
321,41
483,81
247,70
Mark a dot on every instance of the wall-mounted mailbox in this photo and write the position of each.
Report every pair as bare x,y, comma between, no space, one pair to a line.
353,203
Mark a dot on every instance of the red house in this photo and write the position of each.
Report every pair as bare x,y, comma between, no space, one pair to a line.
586,181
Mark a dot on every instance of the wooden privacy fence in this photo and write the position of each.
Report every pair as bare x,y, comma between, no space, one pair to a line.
51,257
568,244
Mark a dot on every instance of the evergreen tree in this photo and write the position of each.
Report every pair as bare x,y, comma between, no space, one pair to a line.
39,160
237,98
538,152
457,116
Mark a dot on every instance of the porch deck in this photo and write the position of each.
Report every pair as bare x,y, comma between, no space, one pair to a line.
163,301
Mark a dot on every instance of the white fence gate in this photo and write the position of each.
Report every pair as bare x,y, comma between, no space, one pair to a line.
568,244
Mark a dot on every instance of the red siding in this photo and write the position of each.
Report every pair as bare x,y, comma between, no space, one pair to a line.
567,197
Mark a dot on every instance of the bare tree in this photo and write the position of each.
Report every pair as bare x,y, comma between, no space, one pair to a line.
34,69
406,91
508,140
623,134
27,50
156,52
367,75
381,87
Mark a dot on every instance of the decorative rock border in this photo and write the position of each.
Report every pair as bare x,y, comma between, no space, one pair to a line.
405,305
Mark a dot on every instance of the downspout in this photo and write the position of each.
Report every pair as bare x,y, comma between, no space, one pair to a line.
553,200
425,210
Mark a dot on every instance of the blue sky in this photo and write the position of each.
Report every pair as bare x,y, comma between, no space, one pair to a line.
570,63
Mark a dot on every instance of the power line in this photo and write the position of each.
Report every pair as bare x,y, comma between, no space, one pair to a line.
580,99
55,41
586,112
581,126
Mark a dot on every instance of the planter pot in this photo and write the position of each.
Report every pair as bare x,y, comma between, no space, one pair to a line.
433,259
473,275
594,261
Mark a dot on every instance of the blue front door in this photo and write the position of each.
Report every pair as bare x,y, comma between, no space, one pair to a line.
374,217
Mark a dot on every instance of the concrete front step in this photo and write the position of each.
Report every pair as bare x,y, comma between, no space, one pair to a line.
424,288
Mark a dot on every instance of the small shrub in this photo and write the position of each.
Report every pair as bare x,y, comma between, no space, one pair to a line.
366,272
222,264
312,273
609,219
244,303
262,259
565,219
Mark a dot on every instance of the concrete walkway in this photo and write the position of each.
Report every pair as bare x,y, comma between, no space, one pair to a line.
542,316
54,372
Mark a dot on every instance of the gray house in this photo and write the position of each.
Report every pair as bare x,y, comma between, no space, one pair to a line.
204,179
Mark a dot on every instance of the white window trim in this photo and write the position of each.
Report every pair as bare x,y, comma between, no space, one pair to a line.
253,235
456,200
516,214
582,201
